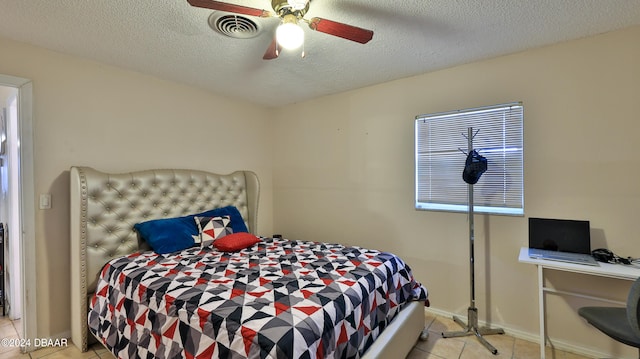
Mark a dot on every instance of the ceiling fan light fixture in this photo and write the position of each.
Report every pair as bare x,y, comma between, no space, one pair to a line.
288,34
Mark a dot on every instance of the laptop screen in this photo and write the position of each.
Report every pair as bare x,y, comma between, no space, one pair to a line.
561,235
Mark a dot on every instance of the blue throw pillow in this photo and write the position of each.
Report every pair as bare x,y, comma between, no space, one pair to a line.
168,235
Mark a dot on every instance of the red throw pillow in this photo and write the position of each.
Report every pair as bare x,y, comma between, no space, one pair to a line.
236,241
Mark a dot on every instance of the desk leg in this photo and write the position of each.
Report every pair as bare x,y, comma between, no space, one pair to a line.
541,311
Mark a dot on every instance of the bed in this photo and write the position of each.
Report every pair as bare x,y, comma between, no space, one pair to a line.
284,311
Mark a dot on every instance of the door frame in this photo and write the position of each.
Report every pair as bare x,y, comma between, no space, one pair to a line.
27,207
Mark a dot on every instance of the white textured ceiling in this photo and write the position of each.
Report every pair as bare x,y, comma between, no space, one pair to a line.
171,39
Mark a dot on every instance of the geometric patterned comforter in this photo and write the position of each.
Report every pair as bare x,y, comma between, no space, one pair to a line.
276,299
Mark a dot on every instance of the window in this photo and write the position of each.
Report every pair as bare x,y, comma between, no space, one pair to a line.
441,139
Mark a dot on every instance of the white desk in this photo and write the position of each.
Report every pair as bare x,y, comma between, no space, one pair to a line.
616,271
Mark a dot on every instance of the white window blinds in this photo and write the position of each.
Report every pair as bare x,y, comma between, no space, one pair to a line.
439,161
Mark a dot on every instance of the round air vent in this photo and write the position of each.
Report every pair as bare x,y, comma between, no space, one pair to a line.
234,26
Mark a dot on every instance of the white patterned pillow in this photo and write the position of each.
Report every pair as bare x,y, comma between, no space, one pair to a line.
212,228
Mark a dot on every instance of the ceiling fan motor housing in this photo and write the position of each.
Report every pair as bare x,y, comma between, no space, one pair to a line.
282,7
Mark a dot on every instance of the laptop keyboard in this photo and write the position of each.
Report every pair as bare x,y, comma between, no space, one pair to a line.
574,257
566,257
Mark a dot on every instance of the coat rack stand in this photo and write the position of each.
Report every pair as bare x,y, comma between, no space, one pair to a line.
471,327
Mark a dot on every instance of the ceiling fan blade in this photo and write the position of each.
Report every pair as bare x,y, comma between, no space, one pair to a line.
339,29
223,6
273,51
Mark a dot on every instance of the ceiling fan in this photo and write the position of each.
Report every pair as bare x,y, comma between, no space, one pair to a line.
289,34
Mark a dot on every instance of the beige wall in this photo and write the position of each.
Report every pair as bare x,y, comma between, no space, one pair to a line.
96,115
343,172
340,168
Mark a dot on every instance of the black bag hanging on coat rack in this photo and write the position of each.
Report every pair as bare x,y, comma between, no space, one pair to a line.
474,167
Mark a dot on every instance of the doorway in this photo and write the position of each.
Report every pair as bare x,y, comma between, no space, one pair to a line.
17,211
11,262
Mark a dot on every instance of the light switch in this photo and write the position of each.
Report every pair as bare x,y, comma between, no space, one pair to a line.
45,201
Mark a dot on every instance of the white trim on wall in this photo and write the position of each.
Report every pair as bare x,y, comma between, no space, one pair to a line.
27,212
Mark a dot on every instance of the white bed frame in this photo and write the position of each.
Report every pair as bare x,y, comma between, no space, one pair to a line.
104,208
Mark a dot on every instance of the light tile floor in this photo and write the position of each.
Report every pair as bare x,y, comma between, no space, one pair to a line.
8,331
435,347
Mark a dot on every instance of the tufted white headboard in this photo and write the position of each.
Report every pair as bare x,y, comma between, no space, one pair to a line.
104,208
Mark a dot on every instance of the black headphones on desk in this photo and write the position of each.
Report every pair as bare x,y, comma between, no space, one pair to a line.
607,256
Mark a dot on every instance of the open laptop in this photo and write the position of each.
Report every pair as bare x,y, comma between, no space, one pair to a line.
560,240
